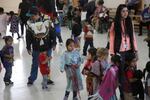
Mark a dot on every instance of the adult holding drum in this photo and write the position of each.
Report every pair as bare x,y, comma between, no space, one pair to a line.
39,34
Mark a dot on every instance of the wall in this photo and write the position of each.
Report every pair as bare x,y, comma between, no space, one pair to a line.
13,4
113,3
9,5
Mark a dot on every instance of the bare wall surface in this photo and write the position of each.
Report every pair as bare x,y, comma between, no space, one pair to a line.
9,5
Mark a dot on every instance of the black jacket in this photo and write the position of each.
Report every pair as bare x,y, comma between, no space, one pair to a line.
34,43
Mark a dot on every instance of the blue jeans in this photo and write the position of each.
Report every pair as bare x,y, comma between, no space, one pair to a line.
8,73
34,67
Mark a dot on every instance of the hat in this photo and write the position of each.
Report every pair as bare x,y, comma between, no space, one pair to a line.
32,11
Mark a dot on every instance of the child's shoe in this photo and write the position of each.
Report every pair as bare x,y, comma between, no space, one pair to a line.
9,83
6,83
45,88
30,83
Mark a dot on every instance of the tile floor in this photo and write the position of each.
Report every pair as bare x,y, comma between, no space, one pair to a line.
22,66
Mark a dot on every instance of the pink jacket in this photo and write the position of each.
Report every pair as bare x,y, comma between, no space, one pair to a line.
122,46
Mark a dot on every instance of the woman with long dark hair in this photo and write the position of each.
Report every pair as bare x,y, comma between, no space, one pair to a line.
122,39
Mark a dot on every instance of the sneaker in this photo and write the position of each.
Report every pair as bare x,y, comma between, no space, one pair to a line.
6,83
50,82
9,83
45,88
29,83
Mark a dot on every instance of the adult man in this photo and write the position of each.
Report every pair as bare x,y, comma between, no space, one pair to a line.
145,19
39,34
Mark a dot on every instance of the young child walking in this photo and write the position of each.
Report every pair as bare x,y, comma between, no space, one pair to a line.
88,38
14,24
70,63
57,28
7,57
44,69
109,82
147,81
99,67
91,57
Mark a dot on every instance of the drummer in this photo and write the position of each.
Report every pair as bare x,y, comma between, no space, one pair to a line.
39,34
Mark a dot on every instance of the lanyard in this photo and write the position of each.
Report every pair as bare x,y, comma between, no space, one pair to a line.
125,35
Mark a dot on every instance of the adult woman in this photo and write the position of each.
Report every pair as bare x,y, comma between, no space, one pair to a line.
122,39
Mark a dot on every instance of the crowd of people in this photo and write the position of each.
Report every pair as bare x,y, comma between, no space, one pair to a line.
103,77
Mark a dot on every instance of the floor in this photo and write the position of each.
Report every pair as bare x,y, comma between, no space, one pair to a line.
22,66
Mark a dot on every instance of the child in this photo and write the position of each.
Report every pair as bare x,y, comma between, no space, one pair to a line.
3,22
132,85
110,80
8,59
44,69
70,62
88,37
57,28
99,67
14,24
147,81
76,31
91,57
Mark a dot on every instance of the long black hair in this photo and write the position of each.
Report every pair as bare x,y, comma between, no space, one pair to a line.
118,28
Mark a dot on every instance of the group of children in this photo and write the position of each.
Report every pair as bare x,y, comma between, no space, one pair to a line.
102,76
9,18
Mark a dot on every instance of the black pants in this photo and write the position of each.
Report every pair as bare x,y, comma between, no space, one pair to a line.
143,24
86,44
